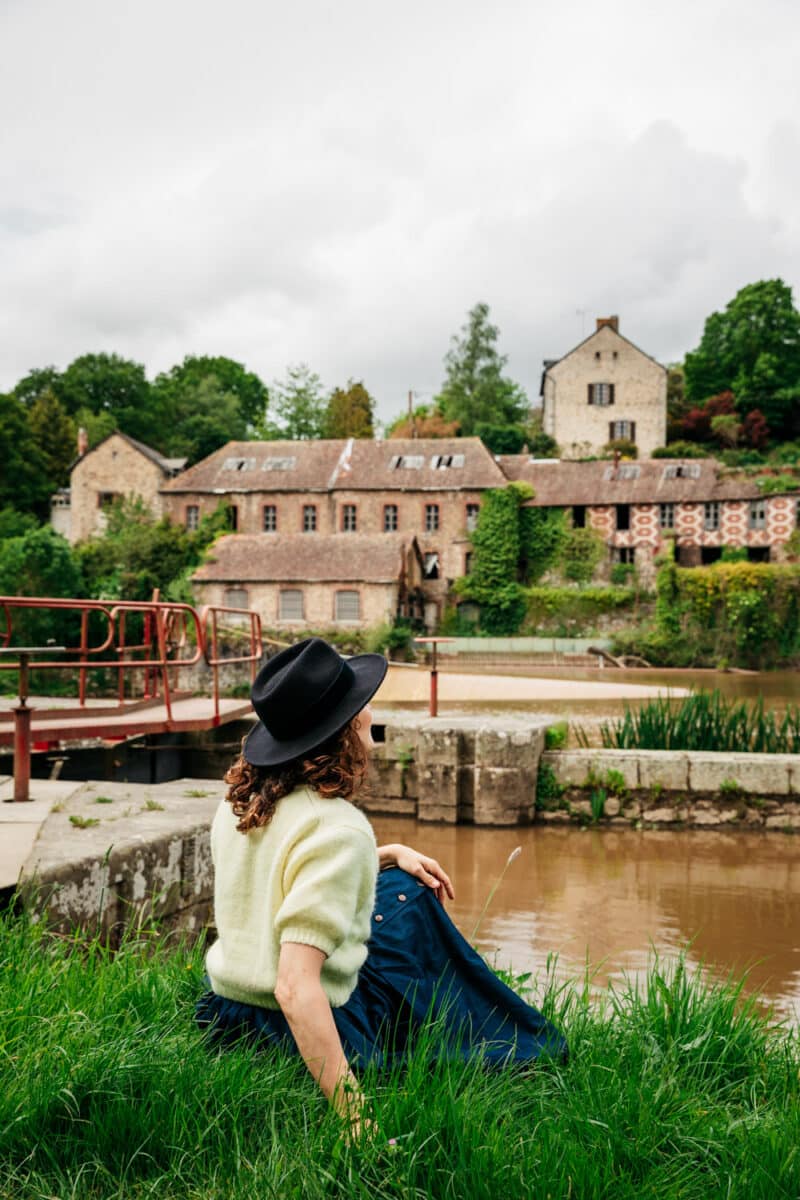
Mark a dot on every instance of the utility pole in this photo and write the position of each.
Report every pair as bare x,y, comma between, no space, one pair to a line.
411,421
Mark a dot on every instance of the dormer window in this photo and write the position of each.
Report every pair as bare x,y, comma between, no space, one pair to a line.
682,471
442,461
239,464
408,462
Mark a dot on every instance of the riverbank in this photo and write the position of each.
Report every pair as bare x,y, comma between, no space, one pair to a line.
680,1091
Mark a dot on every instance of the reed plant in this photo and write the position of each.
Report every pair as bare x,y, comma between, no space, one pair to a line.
702,721
678,1088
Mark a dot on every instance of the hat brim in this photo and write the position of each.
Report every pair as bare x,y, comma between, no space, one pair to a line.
263,749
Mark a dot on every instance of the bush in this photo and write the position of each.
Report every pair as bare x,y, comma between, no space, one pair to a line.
396,637
573,606
621,573
622,446
777,485
583,551
681,449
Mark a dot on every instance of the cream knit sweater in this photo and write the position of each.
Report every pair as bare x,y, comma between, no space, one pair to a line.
309,876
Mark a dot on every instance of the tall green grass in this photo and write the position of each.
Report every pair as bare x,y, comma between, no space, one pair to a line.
679,1089
701,721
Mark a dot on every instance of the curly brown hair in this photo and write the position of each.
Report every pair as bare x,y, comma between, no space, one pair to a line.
337,768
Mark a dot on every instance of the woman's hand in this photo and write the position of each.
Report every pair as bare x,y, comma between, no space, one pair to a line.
421,866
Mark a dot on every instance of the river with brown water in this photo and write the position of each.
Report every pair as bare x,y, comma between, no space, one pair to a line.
610,898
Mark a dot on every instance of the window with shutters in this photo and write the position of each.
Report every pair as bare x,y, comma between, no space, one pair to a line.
349,518
666,516
758,514
192,516
390,518
309,518
601,394
711,514
347,606
431,518
270,518
618,430
290,604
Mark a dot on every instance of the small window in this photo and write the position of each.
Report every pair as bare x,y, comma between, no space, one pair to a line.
623,554
601,394
270,518
389,518
472,517
233,518
192,516
239,464
623,516
235,597
618,430
309,518
682,471
578,516
349,518
711,514
106,499
758,554
431,518
430,568
666,516
278,464
408,462
597,356
758,514
442,461
347,606
290,604
467,562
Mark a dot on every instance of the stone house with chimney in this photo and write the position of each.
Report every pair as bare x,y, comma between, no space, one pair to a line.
604,390
295,581
117,466
636,506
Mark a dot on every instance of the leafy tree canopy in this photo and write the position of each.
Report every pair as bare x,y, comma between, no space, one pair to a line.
297,406
752,349
475,389
54,432
39,562
424,422
24,478
40,379
203,416
232,378
112,386
351,412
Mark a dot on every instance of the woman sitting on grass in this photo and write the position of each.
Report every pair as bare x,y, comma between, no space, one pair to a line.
311,954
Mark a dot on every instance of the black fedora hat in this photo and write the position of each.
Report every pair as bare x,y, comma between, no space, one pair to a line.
305,695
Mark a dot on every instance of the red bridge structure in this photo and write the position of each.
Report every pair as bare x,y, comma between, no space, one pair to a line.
148,644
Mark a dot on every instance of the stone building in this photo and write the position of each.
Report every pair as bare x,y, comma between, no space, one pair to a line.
636,506
428,488
332,579
604,390
117,466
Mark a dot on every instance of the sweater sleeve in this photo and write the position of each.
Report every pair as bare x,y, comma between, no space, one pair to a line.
329,877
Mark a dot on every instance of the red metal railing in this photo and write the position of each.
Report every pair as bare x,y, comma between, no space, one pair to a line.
174,636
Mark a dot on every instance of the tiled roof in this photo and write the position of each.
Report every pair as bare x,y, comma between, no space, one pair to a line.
419,464
651,481
168,465
310,557
264,467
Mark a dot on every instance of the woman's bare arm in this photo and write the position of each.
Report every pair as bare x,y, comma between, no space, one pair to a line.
421,866
307,1009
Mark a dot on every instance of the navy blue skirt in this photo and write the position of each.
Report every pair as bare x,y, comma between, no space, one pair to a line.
419,972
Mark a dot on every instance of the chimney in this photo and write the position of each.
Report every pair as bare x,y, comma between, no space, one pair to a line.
612,321
83,442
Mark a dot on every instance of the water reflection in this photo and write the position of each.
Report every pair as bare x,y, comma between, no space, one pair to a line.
607,897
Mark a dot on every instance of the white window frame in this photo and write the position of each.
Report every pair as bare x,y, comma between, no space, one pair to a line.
309,518
272,527
391,518
290,597
349,518
712,515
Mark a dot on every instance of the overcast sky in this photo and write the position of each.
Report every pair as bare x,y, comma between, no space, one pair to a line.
338,183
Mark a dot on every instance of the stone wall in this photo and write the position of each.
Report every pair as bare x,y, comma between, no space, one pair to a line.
378,601
671,787
640,395
112,468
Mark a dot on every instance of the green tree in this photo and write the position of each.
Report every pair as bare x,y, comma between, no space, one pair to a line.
37,381
232,378
54,432
350,412
202,417
497,548
105,384
297,405
501,439
475,389
753,349
24,479
40,563
135,554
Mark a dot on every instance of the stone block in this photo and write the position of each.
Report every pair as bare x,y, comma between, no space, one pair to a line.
756,774
400,741
509,748
663,769
660,816
466,794
438,746
503,796
612,806
785,821
575,767
438,793
388,778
